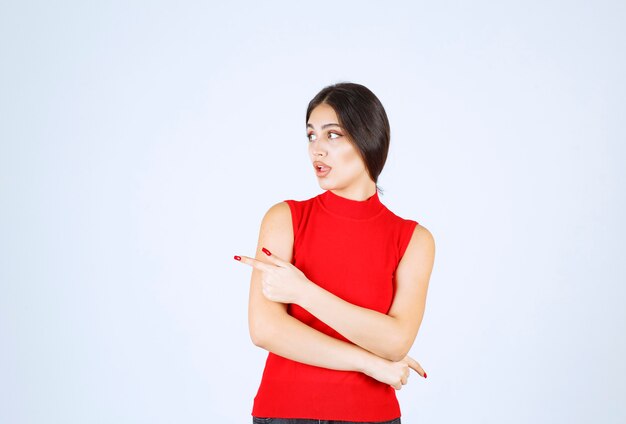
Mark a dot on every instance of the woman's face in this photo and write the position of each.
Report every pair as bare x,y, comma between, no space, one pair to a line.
330,145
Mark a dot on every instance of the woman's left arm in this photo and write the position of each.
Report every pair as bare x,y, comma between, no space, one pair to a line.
389,336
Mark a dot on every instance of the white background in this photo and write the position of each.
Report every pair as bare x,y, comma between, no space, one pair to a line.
142,142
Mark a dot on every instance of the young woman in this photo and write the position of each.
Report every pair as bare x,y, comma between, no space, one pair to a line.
339,282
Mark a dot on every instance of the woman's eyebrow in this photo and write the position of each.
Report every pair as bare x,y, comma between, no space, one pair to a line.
325,125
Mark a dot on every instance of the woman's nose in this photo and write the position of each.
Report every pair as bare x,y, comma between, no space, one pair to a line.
318,149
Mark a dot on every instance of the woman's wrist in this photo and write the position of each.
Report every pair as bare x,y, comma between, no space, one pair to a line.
307,294
368,362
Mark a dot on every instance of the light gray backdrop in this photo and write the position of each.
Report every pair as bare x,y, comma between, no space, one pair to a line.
142,142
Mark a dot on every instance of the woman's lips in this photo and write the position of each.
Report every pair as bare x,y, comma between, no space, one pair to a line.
321,169
322,172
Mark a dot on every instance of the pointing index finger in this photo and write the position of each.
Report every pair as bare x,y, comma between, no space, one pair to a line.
255,263
274,259
415,365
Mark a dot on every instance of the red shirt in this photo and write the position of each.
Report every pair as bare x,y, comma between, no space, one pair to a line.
350,248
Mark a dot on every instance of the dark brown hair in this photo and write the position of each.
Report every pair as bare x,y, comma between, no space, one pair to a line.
363,117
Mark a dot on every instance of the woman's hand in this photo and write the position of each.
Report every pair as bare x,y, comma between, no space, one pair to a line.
395,374
282,281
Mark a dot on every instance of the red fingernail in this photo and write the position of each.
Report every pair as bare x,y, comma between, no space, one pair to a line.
425,374
267,252
238,257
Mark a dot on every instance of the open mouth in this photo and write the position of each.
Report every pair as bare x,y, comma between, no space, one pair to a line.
321,170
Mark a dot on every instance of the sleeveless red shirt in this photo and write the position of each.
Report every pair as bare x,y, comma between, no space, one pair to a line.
350,248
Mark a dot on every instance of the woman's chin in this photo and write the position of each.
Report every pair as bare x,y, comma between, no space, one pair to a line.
325,183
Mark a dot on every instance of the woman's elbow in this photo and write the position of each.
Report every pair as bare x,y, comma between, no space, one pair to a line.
263,330
397,355
393,352
258,334
256,337
401,348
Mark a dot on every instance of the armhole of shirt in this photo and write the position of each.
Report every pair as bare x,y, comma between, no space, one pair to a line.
295,223
295,219
407,233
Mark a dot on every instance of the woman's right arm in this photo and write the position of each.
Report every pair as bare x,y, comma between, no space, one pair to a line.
273,329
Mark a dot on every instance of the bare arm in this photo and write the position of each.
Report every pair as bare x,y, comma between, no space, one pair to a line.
273,329
389,336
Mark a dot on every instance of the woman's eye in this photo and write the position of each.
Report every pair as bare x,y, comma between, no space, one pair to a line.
330,136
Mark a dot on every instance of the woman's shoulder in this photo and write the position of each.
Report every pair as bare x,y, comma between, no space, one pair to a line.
297,207
282,207
276,231
412,230
288,214
400,220
303,201
415,229
421,239
278,211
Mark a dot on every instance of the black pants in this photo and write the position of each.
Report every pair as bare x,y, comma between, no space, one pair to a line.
258,420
